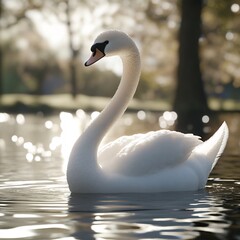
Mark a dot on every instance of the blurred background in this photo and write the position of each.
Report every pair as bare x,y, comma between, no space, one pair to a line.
190,53
190,82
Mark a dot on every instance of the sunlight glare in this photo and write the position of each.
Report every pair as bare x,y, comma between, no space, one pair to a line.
162,122
28,231
37,158
56,142
29,157
14,138
83,118
235,8
141,115
4,117
167,119
205,119
24,215
70,132
48,124
29,146
229,36
50,28
20,119
20,141
81,114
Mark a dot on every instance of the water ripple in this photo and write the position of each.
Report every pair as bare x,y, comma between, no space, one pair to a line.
35,201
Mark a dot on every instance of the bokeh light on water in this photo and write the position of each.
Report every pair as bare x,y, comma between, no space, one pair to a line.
167,120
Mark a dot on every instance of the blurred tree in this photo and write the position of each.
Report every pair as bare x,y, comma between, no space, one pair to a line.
80,19
190,100
27,64
73,49
220,52
10,17
65,11
155,28
84,20
12,13
20,15
220,45
67,28
1,77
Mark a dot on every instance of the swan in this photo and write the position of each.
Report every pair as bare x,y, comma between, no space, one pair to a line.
157,161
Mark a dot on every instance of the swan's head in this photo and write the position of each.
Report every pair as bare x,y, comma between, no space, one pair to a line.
110,43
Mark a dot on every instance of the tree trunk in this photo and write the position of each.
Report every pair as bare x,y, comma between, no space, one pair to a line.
73,53
190,100
1,77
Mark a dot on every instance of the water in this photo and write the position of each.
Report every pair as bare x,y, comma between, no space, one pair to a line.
35,202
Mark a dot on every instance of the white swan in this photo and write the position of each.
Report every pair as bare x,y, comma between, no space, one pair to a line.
153,162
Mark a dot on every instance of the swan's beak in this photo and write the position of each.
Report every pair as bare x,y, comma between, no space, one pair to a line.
97,55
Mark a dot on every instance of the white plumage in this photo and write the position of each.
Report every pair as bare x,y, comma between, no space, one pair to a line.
152,162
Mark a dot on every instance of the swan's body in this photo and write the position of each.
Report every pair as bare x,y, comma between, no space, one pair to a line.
152,162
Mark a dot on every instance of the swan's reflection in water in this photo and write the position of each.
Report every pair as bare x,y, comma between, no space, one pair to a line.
184,215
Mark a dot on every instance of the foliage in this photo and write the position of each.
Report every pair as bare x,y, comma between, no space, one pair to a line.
45,41
221,46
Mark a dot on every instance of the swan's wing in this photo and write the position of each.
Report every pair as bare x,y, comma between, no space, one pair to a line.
107,153
149,153
215,145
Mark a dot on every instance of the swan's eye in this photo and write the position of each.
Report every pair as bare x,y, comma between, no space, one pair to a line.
100,46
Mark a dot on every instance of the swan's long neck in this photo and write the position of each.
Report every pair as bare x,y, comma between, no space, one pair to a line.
83,159
119,103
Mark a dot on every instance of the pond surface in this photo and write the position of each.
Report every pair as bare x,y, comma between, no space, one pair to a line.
35,202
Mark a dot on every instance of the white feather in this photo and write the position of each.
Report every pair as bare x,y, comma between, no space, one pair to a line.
152,162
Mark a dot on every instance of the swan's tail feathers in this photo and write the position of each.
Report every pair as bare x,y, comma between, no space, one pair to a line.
214,146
